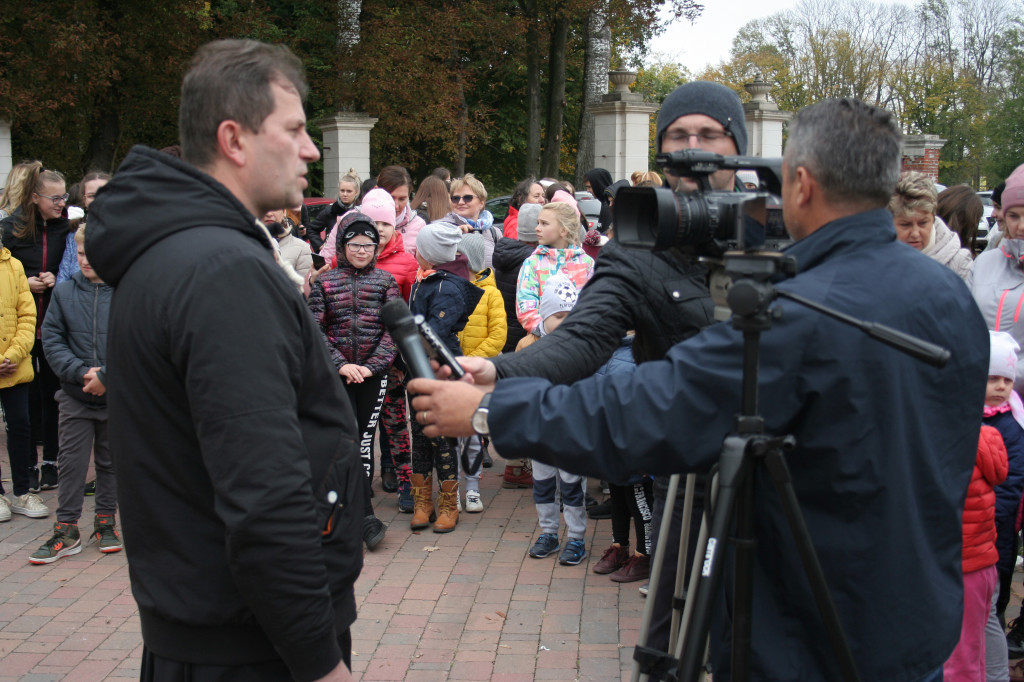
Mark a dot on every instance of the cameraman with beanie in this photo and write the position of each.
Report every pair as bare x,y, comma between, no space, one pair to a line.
662,296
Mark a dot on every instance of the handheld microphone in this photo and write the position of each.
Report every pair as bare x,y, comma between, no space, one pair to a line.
400,324
436,348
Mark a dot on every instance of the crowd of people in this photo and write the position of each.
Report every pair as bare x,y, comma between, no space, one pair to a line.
541,295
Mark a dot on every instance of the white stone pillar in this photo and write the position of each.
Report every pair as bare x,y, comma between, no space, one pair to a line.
6,157
622,129
764,121
346,145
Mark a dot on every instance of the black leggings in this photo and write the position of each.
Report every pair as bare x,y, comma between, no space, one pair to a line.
43,411
366,399
632,501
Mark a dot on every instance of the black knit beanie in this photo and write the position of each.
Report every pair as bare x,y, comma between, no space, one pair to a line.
711,99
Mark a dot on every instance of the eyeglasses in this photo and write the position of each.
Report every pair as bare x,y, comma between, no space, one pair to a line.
56,198
703,137
465,198
360,247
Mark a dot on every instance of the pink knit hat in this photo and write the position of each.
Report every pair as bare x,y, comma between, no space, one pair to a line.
379,206
1013,194
563,197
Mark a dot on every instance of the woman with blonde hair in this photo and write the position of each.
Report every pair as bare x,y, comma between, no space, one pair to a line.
14,188
913,207
36,233
348,197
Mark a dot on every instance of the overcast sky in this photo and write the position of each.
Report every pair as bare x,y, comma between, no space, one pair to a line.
707,40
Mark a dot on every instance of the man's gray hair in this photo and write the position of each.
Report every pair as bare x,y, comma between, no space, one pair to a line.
230,80
852,149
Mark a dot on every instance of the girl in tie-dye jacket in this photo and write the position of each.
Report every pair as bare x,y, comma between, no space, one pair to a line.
558,251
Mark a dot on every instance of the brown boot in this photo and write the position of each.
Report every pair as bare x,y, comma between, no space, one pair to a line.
447,509
518,476
423,505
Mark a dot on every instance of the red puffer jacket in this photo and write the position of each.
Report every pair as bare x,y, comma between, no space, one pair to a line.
400,263
990,468
346,304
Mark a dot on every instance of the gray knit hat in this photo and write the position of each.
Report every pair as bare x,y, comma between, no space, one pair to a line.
438,242
472,245
528,214
711,99
560,295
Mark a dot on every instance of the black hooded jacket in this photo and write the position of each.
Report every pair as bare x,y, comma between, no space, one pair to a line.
509,255
42,253
661,296
235,450
600,180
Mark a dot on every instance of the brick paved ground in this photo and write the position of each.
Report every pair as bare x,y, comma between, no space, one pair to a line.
468,605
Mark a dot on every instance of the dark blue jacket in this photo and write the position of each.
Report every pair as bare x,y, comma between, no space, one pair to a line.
1008,493
75,334
885,450
445,300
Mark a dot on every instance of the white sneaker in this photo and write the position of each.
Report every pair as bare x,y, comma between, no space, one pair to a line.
473,503
5,509
458,500
30,505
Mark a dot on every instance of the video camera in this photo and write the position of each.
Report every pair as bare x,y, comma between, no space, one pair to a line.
708,222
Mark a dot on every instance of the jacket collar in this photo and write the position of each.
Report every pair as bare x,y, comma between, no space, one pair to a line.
869,229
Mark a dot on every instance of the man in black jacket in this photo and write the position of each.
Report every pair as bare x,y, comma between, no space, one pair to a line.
663,296
234,447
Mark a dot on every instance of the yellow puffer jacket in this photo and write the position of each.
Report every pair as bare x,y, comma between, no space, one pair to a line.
17,320
484,334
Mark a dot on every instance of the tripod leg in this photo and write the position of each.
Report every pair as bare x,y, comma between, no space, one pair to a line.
734,467
702,541
657,564
684,551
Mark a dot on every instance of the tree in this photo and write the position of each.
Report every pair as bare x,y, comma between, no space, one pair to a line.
80,89
940,67
597,61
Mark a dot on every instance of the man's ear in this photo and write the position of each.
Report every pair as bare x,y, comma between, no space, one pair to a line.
806,187
230,142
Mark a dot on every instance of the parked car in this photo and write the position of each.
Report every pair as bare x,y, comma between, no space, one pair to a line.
588,205
987,221
316,205
498,206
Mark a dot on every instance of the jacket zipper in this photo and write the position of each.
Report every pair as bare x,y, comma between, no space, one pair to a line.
355,306
95,325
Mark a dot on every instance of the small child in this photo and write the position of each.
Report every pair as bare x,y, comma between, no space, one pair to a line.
74,336
483,336
346,302
1004,411
967,662
444,296
560,296
558,251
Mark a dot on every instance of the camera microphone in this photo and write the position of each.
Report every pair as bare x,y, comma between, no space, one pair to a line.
400,324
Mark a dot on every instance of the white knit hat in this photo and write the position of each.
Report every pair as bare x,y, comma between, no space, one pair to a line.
1002,359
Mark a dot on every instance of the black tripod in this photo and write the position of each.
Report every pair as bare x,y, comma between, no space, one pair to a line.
744,449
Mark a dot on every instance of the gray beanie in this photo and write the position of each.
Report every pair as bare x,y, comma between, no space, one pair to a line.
711,99
560,295
472,245
437,242
528,214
